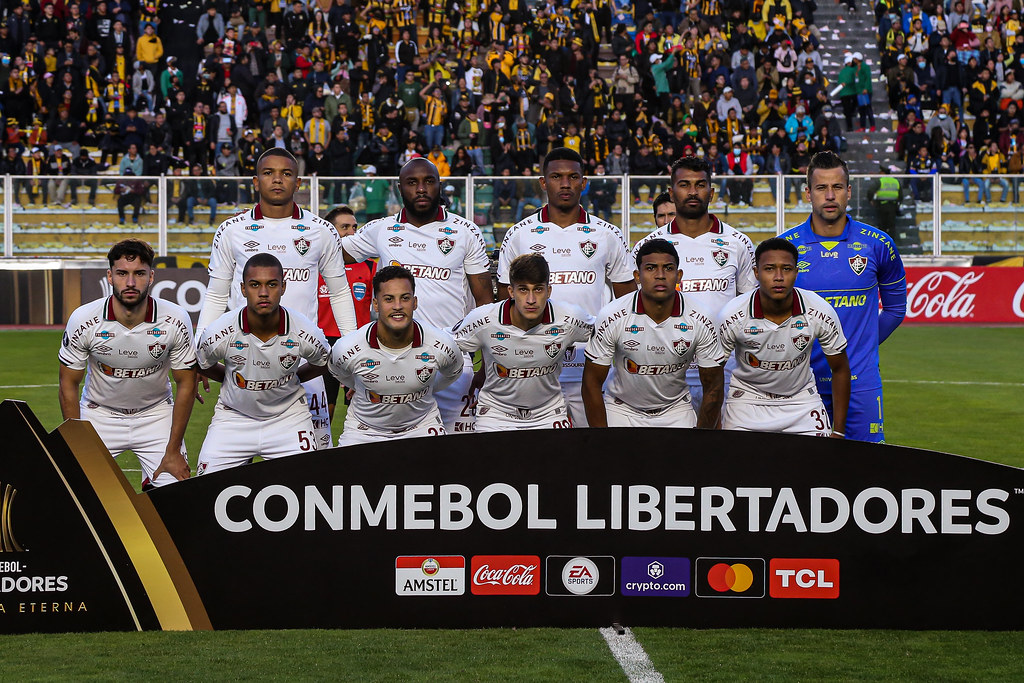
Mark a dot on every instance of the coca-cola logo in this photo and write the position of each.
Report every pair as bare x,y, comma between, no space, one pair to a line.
505,575
944,294
1018,301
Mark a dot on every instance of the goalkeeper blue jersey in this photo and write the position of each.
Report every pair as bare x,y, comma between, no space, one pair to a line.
853,272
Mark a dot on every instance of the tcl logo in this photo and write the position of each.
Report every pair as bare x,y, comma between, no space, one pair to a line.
804,578
505,575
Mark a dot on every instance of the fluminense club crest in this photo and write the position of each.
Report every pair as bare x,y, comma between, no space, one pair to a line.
553,349
858,263
721,256
681,346
589,248
301,245
801,341
446,244
424,373
288,360
156,349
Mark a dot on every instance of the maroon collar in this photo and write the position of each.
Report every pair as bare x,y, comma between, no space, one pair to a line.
243,321
545,217
108,310
716,226
257,212
417,335
758,312
505,313
677,305
440,215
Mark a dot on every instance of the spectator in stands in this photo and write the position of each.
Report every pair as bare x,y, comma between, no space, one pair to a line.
941,121
131,161
130,191
85,165
799,122
993,162
971,167
59,166
197,190
848,93
225,165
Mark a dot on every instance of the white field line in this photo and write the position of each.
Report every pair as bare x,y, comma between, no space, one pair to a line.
27,386
943,381
630,655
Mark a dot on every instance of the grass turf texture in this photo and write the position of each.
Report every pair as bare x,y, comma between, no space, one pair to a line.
940,394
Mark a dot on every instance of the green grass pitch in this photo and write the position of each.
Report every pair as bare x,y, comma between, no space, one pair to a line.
957,390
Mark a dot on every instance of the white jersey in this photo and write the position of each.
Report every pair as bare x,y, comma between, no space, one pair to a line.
716,266
651,358
306,245
522,366
773,360
394,388
584,258
127,369
259,376
440,255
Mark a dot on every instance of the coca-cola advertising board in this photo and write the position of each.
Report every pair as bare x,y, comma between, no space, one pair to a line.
965,296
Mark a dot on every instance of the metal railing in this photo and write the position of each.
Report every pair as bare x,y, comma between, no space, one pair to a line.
932,218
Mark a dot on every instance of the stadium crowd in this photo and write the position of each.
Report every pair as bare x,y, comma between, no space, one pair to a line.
478,88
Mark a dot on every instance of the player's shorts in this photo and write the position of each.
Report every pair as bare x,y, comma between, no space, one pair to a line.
357,432
571,379
864,418
234,439
455,403
697,389
624,415
316,400
806,417
145,433
491,419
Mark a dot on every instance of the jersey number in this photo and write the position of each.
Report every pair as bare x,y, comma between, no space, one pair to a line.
562,424
468,409
819,422
317,400
307,441
435,431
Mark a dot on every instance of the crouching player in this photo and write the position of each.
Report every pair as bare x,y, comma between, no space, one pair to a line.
651,336
773,329
262,406
523,340
394,365
125,346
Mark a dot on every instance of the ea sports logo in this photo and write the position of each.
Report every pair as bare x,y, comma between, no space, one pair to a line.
736,578
580,576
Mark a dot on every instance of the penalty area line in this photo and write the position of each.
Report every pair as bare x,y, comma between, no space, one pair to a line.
630,655
946,381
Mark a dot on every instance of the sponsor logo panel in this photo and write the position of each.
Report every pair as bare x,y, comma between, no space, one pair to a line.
815,578
577,575
656,576
505,575
729,577
430,575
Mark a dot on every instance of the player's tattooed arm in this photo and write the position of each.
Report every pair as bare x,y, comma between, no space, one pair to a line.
840,365
174,462
710,413
594,376
69,382
481,287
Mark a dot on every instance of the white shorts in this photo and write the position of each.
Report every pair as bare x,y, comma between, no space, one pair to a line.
234,439
454,402
357,432
144,433
572,392
316,400
805,417
623,415
490,419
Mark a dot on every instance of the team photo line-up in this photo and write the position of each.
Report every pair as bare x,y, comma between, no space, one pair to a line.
692,328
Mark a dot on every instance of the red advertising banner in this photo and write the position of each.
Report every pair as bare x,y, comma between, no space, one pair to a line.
965,296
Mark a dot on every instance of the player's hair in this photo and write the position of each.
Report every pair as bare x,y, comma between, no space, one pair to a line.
277,152
692,163
657,246
562,154
389,273
262,260
131,249
529,269
662,198
776,244
338,211
827,160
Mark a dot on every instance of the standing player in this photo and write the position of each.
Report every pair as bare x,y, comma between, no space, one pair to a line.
262,406
523,340
716,259
772,330
586,255
651,336
664,210
853,266
447,256
394,365
306,245
125,345
360,282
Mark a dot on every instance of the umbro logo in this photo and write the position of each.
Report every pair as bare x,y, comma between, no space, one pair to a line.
538,247
396,240
237,359
251,245
631,344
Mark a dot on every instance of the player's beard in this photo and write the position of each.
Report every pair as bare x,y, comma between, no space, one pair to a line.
691,212
143,298
426,214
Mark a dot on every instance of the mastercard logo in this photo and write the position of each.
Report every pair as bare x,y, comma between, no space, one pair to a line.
729,577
